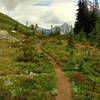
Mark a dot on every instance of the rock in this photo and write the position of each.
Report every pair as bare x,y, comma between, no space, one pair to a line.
8,82
9,47
26,72
12,39
13,31
4,35
33,74
54,92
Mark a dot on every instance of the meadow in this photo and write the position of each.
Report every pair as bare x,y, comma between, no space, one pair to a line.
25,74
81,64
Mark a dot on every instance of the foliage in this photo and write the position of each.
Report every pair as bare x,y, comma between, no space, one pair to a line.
70,41
82,18
81,66
26,55
31,79
87,27
25,87
7,23
98,31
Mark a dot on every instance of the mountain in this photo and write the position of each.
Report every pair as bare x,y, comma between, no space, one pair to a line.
64,29
44,30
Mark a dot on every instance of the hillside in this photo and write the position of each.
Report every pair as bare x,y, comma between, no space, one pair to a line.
37,67
9,24
22,68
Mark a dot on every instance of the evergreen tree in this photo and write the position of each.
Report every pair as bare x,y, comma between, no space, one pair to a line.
51,29
36,26
70,41
32,29
43,32
16,27
98,31
27,24
92,22
82,22
57,30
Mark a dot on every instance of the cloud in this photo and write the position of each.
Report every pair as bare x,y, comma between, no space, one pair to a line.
42,12
60,11
12,4
46,3
50,17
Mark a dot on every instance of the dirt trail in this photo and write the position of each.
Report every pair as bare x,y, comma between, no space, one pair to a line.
63,84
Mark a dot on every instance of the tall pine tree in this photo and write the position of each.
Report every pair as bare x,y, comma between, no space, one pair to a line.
92,22
83,20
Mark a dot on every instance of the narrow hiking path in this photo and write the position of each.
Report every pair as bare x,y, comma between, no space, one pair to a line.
63,84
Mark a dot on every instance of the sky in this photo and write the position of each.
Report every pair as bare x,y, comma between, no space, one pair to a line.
42,12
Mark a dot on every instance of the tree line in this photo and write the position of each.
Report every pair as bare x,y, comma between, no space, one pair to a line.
87,23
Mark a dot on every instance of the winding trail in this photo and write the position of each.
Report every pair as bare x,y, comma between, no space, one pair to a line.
63,84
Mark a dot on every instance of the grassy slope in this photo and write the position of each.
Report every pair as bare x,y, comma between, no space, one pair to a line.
7,23
32,80
19,80
6,50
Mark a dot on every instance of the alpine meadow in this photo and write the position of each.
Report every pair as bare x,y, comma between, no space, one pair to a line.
49,49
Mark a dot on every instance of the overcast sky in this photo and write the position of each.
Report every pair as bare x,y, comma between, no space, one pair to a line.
42,12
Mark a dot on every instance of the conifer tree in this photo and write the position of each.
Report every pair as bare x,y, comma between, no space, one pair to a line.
98,31
16,27
32,29
82,18
36,26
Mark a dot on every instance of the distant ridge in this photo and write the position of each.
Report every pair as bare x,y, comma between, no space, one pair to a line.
64,29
